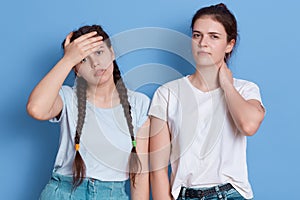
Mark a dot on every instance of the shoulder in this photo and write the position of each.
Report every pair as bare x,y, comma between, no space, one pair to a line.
67,89
137,98
248,89
171,85
67,92
240,83
175,82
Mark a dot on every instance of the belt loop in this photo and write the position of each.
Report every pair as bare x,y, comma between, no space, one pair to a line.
91,185
217,189
183,193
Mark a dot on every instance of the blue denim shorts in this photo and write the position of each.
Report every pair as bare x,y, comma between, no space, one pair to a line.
231,194
60,188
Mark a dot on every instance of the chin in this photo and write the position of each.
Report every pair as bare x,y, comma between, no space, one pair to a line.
101,81
105,79
205,63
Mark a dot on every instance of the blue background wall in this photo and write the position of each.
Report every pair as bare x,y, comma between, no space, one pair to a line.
268,54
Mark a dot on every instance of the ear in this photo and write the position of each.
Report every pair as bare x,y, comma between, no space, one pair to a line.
112,53
75,68
230,46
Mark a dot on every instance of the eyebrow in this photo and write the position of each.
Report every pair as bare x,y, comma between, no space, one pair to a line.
211,33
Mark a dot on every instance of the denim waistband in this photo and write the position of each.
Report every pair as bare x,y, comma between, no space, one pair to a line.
68,180
61,187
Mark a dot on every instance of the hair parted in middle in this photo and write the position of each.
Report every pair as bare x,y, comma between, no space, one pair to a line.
221,14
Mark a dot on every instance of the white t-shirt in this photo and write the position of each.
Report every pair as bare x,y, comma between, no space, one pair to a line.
207,148
105,143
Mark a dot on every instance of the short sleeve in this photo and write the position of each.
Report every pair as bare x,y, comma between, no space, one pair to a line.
250,91
142,103
159,104
65,93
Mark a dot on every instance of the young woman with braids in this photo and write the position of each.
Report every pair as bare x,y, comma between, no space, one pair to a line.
104,126
199,123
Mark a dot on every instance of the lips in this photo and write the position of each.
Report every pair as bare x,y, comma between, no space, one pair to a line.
99,72
203,52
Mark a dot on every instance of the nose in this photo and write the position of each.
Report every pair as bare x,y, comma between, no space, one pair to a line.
202,41
94,62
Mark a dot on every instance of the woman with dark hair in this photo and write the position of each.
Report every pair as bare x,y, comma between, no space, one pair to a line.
104,126
199,123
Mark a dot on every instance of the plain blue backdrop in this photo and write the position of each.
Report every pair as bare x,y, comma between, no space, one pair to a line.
268,54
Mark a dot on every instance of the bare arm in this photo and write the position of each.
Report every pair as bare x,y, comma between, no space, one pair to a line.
141,191
160,148
44,101
246,114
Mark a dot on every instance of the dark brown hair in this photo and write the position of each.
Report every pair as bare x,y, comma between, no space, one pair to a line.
221,14
79,169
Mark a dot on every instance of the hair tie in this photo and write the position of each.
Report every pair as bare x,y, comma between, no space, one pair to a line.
77,147
134,143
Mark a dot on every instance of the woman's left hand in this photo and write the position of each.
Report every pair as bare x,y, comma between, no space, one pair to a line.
225,76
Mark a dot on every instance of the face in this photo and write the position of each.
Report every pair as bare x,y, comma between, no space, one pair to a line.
209,42
97,68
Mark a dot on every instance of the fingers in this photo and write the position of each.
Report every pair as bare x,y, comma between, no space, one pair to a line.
68,38
88,42
90,48
86,36
226,70
82,46
91,42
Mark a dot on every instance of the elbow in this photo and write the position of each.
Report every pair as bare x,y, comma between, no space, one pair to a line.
250,126
35,112
249,129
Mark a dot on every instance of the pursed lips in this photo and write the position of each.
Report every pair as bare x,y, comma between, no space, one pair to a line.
202,52
99,72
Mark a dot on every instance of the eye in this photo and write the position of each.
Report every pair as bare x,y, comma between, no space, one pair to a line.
196,35
214,37
83,60
99,52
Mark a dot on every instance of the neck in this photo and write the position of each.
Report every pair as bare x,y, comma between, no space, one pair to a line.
206,78
103,95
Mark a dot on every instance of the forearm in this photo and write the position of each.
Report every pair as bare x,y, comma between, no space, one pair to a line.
45,94
141,190
160,149
160,185
247,115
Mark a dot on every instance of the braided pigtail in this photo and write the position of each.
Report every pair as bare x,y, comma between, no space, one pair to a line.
134,161
79,168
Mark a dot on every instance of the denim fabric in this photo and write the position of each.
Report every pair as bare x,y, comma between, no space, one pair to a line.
231,194
60,188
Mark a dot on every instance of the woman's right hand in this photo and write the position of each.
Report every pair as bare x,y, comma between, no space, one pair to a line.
81,47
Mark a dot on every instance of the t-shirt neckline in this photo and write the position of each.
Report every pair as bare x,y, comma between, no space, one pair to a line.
197,89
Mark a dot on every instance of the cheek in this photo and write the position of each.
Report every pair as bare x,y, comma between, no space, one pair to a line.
107,62
194,44
83,70
111,68
220,49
